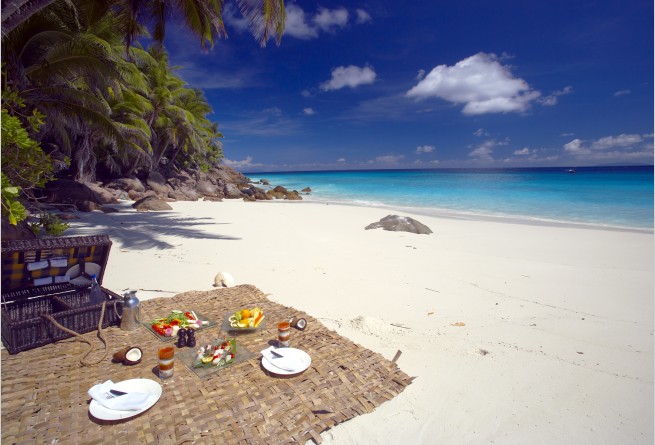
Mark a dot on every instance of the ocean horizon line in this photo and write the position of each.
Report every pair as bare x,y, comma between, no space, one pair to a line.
459,169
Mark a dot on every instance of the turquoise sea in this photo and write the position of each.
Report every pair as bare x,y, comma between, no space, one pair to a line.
613,197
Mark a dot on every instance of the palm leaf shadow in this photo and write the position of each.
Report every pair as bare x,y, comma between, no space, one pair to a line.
144,230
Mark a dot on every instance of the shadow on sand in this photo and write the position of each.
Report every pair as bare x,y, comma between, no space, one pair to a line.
143,230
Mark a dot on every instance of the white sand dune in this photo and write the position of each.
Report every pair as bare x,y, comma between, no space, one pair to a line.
516,333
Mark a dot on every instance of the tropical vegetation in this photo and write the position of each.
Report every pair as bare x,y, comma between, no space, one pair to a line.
82,98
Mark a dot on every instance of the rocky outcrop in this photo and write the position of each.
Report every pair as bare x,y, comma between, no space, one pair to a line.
67,191
397,223
151,203
127,184
169,184
280,192
157,182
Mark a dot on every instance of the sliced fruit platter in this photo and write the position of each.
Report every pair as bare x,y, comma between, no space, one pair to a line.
246,318
221,354
167,327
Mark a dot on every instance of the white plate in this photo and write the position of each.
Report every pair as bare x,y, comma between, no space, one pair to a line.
137,385
77,278
304,358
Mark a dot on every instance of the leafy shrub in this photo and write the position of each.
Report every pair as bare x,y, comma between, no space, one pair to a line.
52,224
12,209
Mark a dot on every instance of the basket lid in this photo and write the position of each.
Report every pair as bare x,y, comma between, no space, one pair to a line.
58,260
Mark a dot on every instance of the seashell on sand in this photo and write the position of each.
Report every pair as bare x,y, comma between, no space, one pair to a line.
223,279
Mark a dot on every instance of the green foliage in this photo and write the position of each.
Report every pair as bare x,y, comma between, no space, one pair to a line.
12,209
52,224
72,89
23,160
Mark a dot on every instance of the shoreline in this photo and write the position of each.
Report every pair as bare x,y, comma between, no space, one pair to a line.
511,333
475,216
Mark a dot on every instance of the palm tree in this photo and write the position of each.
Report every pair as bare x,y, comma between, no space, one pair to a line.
68,62
202,17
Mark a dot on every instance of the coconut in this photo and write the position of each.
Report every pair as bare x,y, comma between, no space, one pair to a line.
223,279
133,356
299,323
119,356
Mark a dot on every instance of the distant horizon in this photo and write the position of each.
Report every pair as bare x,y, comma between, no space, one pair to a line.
563,167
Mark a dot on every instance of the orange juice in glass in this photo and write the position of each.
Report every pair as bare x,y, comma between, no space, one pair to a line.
283,334
166,362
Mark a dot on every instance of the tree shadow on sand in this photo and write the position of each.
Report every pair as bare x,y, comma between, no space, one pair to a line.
143,230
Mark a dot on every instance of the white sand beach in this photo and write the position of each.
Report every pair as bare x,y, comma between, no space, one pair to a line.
516,333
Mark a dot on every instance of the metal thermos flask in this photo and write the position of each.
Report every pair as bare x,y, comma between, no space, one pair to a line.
130,315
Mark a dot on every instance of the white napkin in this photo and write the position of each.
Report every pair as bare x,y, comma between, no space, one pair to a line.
286,362
42,281
37,265
132,401
58,262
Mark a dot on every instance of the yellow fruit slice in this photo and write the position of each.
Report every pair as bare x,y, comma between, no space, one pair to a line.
243,324
207,359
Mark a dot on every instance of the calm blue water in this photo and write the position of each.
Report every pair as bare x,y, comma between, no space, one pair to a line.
606,196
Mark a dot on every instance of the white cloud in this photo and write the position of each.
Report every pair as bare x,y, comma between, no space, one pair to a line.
305,26
480,82
523,152
309,111
233,18
238,164
424,149
296,25
622,140
480,132
341,160
575,148
551,99
363,16
420,75
349,76
614,149
484,151
327,19
622,93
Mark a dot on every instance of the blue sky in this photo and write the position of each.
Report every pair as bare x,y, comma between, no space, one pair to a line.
432,84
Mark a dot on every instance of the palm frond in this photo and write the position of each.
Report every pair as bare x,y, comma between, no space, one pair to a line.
266,17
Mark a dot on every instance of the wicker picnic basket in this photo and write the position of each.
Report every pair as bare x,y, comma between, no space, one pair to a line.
38,293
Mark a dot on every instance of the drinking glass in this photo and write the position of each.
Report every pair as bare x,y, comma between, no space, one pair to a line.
166,362
283,333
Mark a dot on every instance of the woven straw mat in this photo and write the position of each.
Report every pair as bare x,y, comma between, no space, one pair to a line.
45,400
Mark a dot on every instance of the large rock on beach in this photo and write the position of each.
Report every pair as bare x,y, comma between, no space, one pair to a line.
151,203
157,182
293,195
232,191
103,195
206,188
67,191
397,223
127,184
